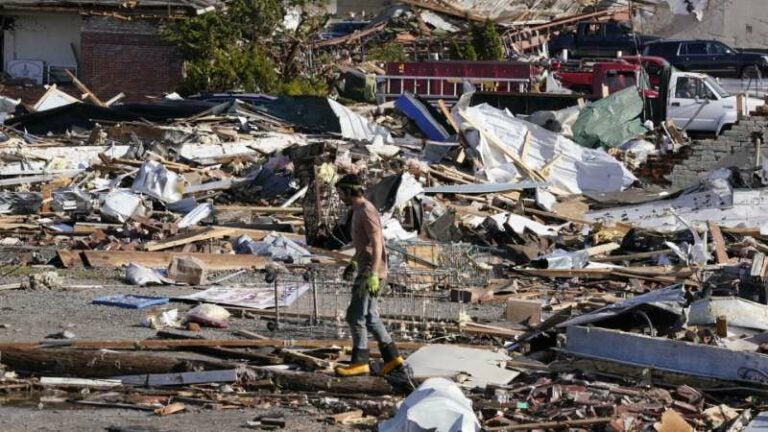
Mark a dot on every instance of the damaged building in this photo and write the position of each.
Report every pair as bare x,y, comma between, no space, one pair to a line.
111,46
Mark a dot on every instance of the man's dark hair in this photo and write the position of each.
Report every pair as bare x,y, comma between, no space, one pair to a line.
351,184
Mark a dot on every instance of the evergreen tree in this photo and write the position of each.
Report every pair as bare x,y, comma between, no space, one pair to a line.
487,42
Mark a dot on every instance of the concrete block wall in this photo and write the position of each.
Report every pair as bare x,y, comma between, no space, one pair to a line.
734,147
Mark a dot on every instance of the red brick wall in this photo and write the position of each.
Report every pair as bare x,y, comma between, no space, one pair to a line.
138,65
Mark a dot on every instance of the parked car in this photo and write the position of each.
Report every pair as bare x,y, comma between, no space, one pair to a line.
599,39
710,57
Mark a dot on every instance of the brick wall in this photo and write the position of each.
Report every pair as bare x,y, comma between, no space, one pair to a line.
129,57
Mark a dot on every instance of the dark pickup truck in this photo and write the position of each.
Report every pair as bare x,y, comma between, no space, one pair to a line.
599,39
710,57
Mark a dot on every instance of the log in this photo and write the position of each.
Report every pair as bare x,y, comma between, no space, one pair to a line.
313,382
225,353
96,364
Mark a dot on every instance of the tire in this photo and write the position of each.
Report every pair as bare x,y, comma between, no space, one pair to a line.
751,72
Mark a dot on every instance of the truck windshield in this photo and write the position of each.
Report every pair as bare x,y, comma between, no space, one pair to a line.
715,86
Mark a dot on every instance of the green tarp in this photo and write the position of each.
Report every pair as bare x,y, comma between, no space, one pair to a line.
611,121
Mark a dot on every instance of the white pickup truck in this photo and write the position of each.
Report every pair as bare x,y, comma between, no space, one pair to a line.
696,102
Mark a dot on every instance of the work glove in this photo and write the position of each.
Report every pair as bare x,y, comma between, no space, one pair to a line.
349,271
372,283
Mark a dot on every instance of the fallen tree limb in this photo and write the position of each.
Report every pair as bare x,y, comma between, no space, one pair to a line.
311,381
96,364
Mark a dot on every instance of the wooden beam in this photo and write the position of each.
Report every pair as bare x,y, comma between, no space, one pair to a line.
191,237
259,209
100,259
447,113
83,88
717,238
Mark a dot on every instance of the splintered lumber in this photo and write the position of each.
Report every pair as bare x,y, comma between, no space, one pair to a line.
83,88
186,238
602,249
94,364
562,424
314,381
163,259
717,238
304,359
170,409
259,209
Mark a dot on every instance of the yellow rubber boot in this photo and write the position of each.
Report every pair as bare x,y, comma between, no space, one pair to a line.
392,359
353,370
358,365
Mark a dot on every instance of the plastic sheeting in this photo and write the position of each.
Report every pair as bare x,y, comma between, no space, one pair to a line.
275,246
611,121
354,126
578,169
158,182
122,204
437,405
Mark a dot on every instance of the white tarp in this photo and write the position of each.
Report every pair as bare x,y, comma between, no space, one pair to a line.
257,298
437,405
578,169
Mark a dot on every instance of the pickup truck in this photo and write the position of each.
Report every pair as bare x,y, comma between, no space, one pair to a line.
696,102
692,101
599,39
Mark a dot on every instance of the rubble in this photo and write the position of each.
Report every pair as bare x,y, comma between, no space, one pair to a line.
184,255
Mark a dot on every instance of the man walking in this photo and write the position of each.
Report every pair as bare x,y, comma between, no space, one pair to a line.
369,266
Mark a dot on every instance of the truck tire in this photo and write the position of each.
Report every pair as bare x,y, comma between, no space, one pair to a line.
750,72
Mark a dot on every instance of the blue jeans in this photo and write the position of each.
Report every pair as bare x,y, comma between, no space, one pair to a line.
363,315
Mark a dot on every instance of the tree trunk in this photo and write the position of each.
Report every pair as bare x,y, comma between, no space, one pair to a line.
97,364
313,382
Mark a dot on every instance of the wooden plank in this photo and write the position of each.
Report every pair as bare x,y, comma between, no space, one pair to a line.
100,259
602,249
70,258
186,238
170,409
526,145
447,113
79,382
346,417
83,88
717,237
259,209
182,378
